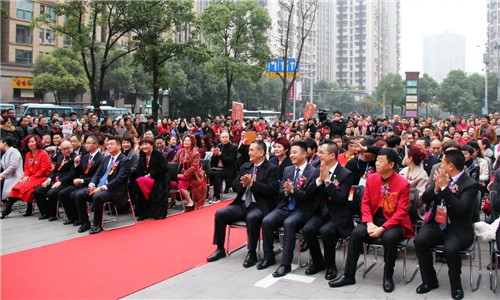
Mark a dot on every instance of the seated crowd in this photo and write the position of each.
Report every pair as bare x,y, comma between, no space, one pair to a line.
289,177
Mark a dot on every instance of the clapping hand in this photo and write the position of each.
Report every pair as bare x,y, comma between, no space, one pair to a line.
246,180
441,179
324,172
288,186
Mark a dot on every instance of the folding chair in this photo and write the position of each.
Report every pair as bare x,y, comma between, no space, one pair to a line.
173,171
402,244
205,166
470,251
494,251
107,207
298,237
242,224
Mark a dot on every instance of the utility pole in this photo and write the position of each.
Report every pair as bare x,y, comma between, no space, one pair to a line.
486,61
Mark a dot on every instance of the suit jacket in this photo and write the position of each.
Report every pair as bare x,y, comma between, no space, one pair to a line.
303,200
264,189
459,206
61,171
117,181
80,171
394,206
81,151
335,199
429,163
228,157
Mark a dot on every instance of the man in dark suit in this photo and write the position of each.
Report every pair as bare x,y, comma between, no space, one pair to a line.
222,164
82,172
293,210
109,183
78,148
332,219
50,188
431,160
450,222
257,185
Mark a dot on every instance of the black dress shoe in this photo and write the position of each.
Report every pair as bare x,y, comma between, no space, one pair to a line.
84,227
313,269
29,210
52,219
388,285
282,271
77,223
142,218
68,221
95,229
43,217
266,263
425,288
331,272
250,260
218,254
457,294
5,213
342,280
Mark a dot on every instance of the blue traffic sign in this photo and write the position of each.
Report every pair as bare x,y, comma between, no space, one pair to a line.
278,66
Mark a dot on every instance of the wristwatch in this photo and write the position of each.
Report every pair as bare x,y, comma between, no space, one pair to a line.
327,182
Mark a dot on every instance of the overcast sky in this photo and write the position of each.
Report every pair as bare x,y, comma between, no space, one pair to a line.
424,17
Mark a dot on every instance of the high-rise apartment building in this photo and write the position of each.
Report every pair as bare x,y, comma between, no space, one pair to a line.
366,42
493,35
443,53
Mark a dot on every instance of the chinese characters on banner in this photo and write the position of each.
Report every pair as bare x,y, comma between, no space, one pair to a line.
309,111
237,111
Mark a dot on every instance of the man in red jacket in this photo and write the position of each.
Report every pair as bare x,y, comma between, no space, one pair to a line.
384,211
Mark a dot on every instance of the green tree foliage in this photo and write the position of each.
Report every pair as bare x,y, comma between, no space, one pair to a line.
477,86
393,87
61,73
95,27
4,14
427,88
154,23
236,30
260,95
456,94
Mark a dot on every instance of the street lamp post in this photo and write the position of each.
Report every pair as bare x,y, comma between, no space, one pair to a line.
486,61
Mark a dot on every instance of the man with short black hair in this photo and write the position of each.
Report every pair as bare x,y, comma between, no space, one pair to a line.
160,145
384,210
453,195
257,185
292,212
337,126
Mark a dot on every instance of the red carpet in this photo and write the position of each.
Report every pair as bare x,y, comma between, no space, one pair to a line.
113,264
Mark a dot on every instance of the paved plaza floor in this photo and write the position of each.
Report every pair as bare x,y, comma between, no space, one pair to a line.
228,279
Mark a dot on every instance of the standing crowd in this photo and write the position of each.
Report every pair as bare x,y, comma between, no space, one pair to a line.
291,177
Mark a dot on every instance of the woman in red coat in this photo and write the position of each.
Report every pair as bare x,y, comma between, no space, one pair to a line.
36,170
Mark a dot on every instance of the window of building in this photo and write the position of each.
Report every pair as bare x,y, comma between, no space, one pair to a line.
23,34
42,35
24,10
66,40
49,10
49,36
24,57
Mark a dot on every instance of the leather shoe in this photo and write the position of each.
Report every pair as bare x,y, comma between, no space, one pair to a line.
331,272
218,254
84,227
342,280
457,294
68,221
142,218
250,260
282,271
313,269
43,217
95,229
77,223
266,263
52,219
388,285
425,288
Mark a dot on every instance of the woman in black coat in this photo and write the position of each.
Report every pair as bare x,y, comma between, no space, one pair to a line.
152,182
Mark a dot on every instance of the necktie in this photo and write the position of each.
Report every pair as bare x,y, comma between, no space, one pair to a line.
291,205
248,193
324,209
105,177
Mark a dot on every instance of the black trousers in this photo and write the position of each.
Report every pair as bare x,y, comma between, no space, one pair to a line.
252,215
98,201
390,240
431,235
46,199
216,177
324,227
292,222
67,198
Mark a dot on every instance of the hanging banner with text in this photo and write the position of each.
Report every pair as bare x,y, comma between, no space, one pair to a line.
298,90
309,110
291,92
411,94
237,111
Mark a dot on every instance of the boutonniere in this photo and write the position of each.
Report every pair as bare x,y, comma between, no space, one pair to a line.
454,188
113,167
335,182
301,181
385,190
90,163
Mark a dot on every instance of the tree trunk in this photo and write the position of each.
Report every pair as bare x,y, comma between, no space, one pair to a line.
156,89
284,99
229,83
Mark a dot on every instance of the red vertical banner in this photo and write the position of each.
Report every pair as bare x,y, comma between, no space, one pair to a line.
291,93
309,110
237,111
